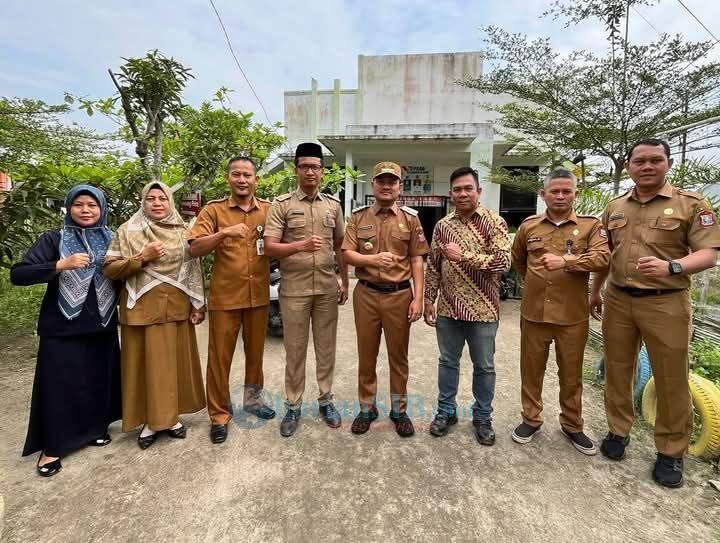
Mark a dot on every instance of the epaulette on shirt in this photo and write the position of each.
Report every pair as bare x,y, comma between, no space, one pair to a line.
224,198
691,194
531,217
410,211
620,195
265,200
331,196
283,197
359,208
588,217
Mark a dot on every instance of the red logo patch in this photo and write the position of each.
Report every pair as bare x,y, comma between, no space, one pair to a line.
706,218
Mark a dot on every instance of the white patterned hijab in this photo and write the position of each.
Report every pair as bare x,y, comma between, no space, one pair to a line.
176,267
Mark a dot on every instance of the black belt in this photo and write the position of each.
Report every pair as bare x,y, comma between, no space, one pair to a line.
386,287
642,292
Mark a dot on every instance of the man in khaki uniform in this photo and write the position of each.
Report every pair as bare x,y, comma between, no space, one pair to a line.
303,230
239,292
386,244
659,236
553,253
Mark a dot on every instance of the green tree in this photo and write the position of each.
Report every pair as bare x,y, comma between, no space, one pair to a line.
583,103
31,130
149,95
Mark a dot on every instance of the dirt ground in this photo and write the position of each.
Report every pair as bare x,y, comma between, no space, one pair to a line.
331,485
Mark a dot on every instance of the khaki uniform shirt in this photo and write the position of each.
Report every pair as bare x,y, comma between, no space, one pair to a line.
397,230
670,226
559,296
162,303
240,277
295,217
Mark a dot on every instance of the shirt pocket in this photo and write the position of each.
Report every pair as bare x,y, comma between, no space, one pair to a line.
399,242
328,223
579,247
296,224
617,231
664,231
367,242
535,245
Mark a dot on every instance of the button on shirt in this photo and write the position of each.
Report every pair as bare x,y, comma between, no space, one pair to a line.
296,217
240,277
375,229
468,290
559,296
669,226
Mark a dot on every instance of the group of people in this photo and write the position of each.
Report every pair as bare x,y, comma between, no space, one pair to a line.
648,242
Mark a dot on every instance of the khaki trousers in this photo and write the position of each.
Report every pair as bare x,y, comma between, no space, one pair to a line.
375,313
224,327
663,323
569,350
297,313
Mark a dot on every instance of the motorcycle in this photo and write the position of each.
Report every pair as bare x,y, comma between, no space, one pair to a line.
275,324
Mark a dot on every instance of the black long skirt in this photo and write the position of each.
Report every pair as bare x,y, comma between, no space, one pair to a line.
76,393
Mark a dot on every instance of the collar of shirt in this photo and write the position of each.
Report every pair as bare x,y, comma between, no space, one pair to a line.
378,209
455,215
571,218
666,192
301,195
233,203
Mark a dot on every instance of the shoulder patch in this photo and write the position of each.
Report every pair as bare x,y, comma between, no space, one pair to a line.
283,197
410,211
531,217
623,195
691,194
331,196
359,208
225,198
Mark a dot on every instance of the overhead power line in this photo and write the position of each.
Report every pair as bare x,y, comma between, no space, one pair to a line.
698,20
232,52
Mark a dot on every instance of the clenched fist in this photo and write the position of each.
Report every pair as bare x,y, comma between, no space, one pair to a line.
311,244
152,251
73,262
384,261
236,230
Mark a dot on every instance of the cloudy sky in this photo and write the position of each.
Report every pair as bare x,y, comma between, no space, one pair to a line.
48,47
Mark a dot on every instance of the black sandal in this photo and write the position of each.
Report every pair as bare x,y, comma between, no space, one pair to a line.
49,469
101,441
177,433
145,442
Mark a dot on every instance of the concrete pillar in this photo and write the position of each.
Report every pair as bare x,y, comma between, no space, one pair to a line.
337,122
349,186
480,157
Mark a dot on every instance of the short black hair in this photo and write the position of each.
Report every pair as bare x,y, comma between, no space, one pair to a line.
654,142
238,159
465,170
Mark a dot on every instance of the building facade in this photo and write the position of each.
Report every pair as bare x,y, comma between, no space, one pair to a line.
409,109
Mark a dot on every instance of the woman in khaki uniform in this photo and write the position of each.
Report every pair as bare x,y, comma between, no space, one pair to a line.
162,297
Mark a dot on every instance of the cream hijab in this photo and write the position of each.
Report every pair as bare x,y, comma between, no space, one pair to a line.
176,267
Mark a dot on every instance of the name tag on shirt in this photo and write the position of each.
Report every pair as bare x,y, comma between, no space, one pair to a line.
260,247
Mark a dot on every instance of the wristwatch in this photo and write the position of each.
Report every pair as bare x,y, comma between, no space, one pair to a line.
675,267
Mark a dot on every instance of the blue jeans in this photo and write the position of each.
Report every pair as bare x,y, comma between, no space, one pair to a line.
480,337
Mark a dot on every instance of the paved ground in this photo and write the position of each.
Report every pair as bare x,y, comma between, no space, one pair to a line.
334,486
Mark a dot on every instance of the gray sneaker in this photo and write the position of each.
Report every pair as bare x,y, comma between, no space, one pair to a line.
580,441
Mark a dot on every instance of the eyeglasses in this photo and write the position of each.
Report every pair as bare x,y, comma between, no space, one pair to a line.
317,168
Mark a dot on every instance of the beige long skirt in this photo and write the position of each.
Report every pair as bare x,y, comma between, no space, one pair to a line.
161,374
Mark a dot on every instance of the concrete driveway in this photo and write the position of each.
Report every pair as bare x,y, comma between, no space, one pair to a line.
325,485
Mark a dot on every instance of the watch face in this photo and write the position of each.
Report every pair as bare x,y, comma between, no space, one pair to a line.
675,268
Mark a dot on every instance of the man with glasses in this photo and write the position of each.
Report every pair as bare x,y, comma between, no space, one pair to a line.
470,250
386,245
304,230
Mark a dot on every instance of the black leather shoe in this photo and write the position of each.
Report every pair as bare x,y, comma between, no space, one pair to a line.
218,433
362,422
613,446
177,433
403,425
668,471
260,410
289,424
49,469
484,433
101,441
440,426
330,415
145,442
